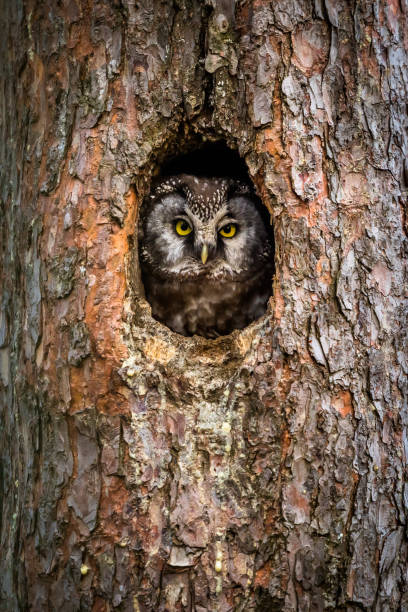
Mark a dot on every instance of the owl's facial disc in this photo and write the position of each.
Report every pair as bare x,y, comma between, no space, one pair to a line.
207,236
184,227
227,231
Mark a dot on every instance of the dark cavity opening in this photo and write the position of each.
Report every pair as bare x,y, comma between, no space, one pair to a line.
209,159
206,244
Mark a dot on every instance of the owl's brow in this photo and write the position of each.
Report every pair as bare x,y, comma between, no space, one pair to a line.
183,216
215,218
208,208
204,206
167,188
227,220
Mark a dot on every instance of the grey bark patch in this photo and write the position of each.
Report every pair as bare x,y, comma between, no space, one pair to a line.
315,347
56,471
94,95
86,488
80,345
3,327
262,106
117,204
33,289
289,13
335,340
106,565
364,566
293,93
109,428
348,287
390,549
64,114
61,273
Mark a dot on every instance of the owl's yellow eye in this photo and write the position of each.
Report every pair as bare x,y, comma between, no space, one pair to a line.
228,231
183,228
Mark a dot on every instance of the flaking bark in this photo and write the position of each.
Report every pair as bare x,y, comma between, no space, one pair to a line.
146,471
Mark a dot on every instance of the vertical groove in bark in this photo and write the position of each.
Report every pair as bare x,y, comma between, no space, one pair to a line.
261,471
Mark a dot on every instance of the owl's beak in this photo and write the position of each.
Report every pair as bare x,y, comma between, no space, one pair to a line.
204,253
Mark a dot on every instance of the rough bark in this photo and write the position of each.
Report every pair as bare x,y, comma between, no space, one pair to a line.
146,471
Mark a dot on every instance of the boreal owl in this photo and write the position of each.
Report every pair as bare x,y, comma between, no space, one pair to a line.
206,255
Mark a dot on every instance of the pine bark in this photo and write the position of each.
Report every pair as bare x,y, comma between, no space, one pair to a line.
145,471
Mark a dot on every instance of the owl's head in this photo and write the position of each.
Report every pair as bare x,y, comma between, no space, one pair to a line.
203,227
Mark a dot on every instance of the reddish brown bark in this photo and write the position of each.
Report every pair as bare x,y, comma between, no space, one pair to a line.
146,471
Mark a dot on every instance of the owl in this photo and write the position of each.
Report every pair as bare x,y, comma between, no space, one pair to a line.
206,255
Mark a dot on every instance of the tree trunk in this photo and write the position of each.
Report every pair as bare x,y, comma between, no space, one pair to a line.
146,471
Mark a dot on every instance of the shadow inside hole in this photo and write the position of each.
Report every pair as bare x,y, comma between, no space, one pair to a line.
197,298
213,159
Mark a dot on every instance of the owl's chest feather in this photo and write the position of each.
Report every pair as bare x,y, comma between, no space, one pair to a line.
209,308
